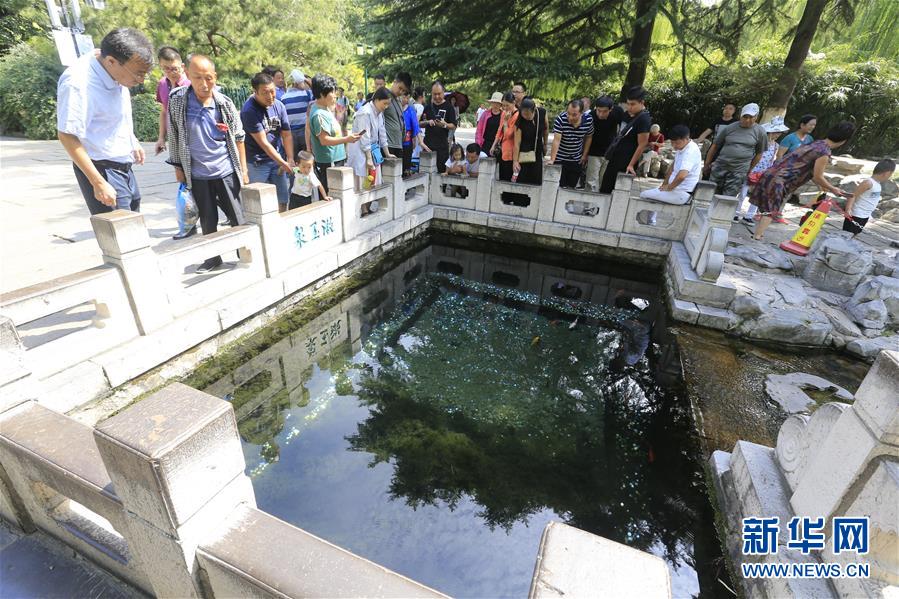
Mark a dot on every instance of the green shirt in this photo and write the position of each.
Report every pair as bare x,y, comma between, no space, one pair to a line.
322,119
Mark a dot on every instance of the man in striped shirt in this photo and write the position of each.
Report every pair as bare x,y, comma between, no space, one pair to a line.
296,101
573,131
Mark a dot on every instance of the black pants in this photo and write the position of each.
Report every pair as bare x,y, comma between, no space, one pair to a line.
297,201
571,173
505,170
321,171
531,172
407,159
855,225
122,179
616,165
442,156
221,193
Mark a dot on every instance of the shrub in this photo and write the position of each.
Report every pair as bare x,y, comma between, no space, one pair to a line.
145,113
28,76
866,93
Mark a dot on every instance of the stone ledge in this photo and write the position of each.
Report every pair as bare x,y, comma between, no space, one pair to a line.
575,563
240,562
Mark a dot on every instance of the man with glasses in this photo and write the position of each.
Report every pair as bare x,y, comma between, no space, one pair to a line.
93,119
394,121
173,69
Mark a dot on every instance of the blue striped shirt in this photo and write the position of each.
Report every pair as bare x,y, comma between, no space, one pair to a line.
297,101
571,147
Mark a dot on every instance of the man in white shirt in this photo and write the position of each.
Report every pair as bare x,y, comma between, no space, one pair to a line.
93,119
685,171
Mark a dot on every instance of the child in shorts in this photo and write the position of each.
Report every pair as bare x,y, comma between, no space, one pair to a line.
305,184
866,196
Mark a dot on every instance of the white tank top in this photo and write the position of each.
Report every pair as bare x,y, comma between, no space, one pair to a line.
865,204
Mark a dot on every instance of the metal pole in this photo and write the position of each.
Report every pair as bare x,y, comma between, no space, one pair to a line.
365,75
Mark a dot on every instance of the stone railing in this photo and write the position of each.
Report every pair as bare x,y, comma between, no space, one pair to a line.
74,339
841,461
157,495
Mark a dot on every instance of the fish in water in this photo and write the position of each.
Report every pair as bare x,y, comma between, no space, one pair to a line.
573,324
535,341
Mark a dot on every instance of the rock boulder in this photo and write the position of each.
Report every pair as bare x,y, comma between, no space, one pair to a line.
838,264
792,326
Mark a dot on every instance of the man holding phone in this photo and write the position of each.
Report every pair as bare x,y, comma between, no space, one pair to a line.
437,120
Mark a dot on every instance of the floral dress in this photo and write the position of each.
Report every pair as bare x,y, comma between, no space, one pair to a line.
786,176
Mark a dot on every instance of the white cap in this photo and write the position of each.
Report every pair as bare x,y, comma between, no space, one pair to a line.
752,109
297,76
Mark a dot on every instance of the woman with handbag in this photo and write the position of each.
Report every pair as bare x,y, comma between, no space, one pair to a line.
366,155
504,144
528,144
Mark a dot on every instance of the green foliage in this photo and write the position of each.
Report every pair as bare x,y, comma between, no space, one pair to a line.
242,36
866,93
19,21
28,75
145,113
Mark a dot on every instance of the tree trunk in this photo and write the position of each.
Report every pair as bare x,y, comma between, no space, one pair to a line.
641,44
789,75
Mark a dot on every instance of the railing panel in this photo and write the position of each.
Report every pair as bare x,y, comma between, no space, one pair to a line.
71,319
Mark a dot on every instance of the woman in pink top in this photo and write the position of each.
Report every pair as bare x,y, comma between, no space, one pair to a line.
488,123
505,137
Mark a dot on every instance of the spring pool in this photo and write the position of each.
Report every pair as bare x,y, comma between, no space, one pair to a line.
438,418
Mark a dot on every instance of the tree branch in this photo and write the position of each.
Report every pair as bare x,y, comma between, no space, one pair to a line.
601,51
698,51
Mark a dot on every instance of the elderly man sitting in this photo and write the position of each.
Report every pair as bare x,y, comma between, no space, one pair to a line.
684,173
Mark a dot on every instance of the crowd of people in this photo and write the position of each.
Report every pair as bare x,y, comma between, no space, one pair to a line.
292,129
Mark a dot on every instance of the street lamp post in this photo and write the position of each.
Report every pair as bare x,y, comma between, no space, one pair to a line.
362,50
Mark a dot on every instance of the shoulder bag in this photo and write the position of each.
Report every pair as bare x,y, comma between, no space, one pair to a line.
529,157
610,151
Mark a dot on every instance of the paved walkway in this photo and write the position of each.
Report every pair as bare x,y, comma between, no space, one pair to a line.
45,229
35,565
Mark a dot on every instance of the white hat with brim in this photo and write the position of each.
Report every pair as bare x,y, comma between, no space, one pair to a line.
496,97
776,125
297,76
751,109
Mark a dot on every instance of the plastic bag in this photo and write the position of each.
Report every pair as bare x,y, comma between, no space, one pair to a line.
187,209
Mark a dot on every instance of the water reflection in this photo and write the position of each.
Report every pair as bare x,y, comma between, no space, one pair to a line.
438,419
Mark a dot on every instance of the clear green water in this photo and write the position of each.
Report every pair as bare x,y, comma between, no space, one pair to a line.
438,419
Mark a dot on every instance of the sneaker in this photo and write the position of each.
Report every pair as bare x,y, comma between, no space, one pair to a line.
192,231
781,221
736,218
748,219
210,265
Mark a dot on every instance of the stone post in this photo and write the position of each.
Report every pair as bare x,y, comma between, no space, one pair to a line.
17,384
125,243
869,430
486,177
427,162
618,207
341,185
176,463
260,207
549,191
392,174
702,195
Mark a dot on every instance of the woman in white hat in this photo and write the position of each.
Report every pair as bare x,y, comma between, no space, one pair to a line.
488,124
774,129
